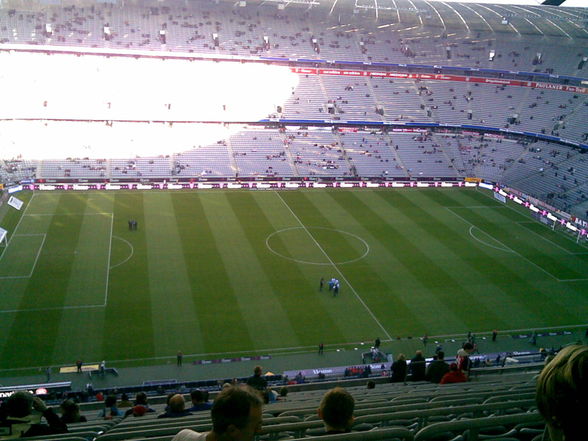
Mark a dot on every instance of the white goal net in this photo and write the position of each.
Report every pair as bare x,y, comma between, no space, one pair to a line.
3,235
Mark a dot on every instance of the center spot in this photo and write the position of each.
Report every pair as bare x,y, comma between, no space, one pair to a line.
317,245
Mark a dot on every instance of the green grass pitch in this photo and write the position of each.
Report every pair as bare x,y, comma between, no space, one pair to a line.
215,273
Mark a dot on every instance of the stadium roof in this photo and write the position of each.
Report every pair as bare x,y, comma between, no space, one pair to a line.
568,3
518,17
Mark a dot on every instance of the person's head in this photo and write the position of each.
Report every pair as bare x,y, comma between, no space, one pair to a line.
283,391
336,409
110,401
197,396
19,404
419,355
401,357
69,407
236,413
562,393
468,347
124,397
257,370
141,398
440,355
177,403
371,384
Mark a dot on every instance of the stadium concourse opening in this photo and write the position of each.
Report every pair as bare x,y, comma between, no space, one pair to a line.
96,90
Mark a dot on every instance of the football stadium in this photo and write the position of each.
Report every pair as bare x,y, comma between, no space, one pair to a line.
347,193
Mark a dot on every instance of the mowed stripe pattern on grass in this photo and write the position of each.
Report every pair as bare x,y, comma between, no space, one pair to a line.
198,275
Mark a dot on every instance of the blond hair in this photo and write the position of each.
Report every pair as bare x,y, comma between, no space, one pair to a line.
562,393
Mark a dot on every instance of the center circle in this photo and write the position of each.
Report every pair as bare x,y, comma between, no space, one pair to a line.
303,243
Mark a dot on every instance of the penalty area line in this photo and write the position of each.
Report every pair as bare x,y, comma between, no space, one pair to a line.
108,260
52,308
515,252
527,218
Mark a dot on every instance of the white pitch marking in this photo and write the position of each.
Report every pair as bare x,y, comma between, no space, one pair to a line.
485,243
130,255
335,267
367,247
67,214
525,217
108,261
38,254
518,254
52,308
543,237
16,227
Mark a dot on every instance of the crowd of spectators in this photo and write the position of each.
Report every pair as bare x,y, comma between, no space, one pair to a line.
236,412
299,32
224,27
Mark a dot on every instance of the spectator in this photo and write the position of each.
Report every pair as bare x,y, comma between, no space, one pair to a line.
371,384
70,412
17,421
176,407
398,369
463,357
562,394
124,401
455,375
198,401
236,415
256,381
283,396
336,410
437,368
300,379
269,396
417,367
110,410
141,406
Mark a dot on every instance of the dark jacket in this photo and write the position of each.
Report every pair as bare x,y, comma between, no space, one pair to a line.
436,370
12,427
257,382
170,414
417,368
398,371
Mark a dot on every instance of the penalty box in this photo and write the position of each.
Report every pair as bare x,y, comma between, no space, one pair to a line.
41,242
19,258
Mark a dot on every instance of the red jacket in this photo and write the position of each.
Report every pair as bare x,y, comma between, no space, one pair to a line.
454,377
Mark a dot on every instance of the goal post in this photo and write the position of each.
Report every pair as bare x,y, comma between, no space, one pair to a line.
3,237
